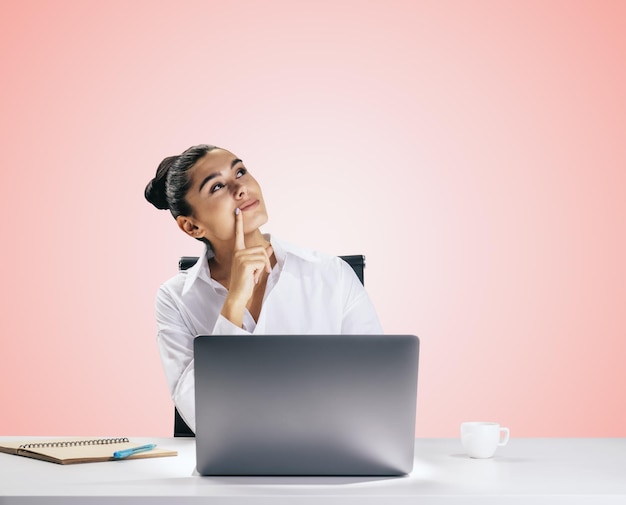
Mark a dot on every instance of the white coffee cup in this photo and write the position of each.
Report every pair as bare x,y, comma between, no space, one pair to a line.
481,439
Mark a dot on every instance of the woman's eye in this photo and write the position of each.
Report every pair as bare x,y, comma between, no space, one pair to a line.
216,187
241,172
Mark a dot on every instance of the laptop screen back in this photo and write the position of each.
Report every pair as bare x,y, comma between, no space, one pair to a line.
305,404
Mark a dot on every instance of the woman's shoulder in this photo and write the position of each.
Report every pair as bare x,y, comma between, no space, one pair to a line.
188,277
174,285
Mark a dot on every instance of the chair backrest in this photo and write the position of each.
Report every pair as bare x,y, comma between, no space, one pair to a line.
357,262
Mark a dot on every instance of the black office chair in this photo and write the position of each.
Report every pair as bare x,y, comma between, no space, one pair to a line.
357,262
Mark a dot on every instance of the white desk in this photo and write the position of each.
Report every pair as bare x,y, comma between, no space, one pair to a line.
527,471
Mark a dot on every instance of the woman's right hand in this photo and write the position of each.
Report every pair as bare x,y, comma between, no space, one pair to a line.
248,264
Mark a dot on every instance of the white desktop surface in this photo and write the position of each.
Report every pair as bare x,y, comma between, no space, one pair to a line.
526,471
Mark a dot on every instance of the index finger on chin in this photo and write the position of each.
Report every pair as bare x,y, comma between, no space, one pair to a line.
240,242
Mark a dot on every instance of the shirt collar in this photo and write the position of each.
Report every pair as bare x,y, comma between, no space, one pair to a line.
199,270
282,250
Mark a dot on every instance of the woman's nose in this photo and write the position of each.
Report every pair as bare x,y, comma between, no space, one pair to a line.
240,191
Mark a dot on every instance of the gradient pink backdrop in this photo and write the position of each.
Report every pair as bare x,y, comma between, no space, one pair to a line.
474,151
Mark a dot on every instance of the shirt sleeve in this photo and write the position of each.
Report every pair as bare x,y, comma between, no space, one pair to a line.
175,341
359,315
224,327
175,338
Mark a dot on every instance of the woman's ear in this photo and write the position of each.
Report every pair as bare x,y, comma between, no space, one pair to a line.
186,224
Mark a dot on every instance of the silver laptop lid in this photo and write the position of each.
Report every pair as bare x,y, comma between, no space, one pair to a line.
305,404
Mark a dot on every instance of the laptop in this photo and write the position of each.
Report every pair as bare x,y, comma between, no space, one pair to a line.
305,404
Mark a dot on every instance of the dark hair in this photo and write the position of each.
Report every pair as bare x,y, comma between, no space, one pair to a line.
170,184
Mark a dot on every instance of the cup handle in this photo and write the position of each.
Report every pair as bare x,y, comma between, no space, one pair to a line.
504,440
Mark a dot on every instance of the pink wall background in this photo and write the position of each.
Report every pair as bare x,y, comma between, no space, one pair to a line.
474,151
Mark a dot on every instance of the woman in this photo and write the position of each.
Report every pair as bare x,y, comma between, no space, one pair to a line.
246,282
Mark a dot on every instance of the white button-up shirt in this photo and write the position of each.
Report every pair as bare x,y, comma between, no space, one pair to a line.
307,293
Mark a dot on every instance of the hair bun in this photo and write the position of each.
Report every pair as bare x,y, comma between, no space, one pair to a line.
155,191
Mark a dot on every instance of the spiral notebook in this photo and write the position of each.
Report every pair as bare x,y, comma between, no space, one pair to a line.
77,450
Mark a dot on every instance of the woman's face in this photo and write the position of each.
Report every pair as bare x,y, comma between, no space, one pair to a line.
220,183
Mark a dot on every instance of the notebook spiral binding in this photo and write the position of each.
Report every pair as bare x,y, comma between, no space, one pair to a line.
75,443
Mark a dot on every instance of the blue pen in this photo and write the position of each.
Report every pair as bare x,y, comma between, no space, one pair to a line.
129,452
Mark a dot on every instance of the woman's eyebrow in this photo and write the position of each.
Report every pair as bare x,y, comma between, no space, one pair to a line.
215,174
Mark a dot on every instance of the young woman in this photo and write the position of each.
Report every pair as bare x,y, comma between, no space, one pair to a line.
246,282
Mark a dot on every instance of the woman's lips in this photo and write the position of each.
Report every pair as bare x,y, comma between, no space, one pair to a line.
249,206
